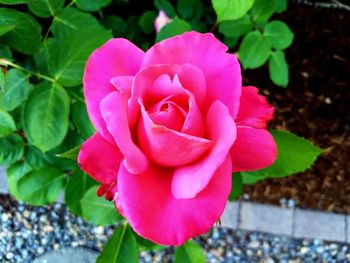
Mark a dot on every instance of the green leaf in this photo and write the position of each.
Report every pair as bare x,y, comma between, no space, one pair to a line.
231,9
279,33
36,159
14,173
71,20
13,2
66,62
45,8
237,186
41,186
147,22
5,52
95,5
249,178
121,247
236,28
25,37
166,7
81,119
278,69
190,252
117,24
175,27
295,155
78,184
71,154
254,50
230,41
15,90
98,210
2,82
7,125
190,9
281,6
11,149
262,10
46,116
147,245
6,28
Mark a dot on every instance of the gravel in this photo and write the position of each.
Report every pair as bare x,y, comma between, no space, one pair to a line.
28,232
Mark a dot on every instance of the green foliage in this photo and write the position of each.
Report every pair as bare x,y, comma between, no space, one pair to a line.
231,9
279,33
45,8
15,89
147,21
7,124
11,149
71,154
295,155
78,184
81,119
41,186
190,252
175,27
14,174
190,9
254,50
237,187
25,32
97,210
236,28
278,68
166,6
48,104
121,247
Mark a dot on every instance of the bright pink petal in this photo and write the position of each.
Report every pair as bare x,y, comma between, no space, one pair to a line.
156,82
253,149
189,180
114,109
254,110
168,147
193,124
100,159
123,84
154,213
221,70
117,57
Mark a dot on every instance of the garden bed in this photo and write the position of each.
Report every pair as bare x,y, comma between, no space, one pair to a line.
315,105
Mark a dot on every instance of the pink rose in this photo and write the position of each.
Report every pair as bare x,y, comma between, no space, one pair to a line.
172,124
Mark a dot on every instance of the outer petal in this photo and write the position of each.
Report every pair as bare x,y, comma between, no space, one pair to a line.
254,109
114,109
168,147
253,149
117,57
100,159
221,70
154,213
189,180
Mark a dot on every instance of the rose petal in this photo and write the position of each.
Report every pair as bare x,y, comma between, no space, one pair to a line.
154,213
100,159
221,70
254,109
114,109
189,180
159,81
254,149
123,84
168,147
117,57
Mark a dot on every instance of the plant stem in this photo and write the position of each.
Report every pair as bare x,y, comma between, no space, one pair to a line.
6,63
71,3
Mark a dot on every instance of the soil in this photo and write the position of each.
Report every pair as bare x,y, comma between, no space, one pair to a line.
315,105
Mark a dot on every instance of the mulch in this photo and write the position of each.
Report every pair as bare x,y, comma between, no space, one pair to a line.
316,106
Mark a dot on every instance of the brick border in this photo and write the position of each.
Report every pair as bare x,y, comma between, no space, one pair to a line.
296,223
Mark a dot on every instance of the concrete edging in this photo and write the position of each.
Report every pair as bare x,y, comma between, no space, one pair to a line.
293,222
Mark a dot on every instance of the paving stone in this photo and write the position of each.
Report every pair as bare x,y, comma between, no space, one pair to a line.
68,255
348,229
266,218
321,225
3,181
230,215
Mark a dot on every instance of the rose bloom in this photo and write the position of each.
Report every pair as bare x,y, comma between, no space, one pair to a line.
172,124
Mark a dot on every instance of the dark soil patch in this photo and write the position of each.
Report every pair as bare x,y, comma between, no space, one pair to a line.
316,105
